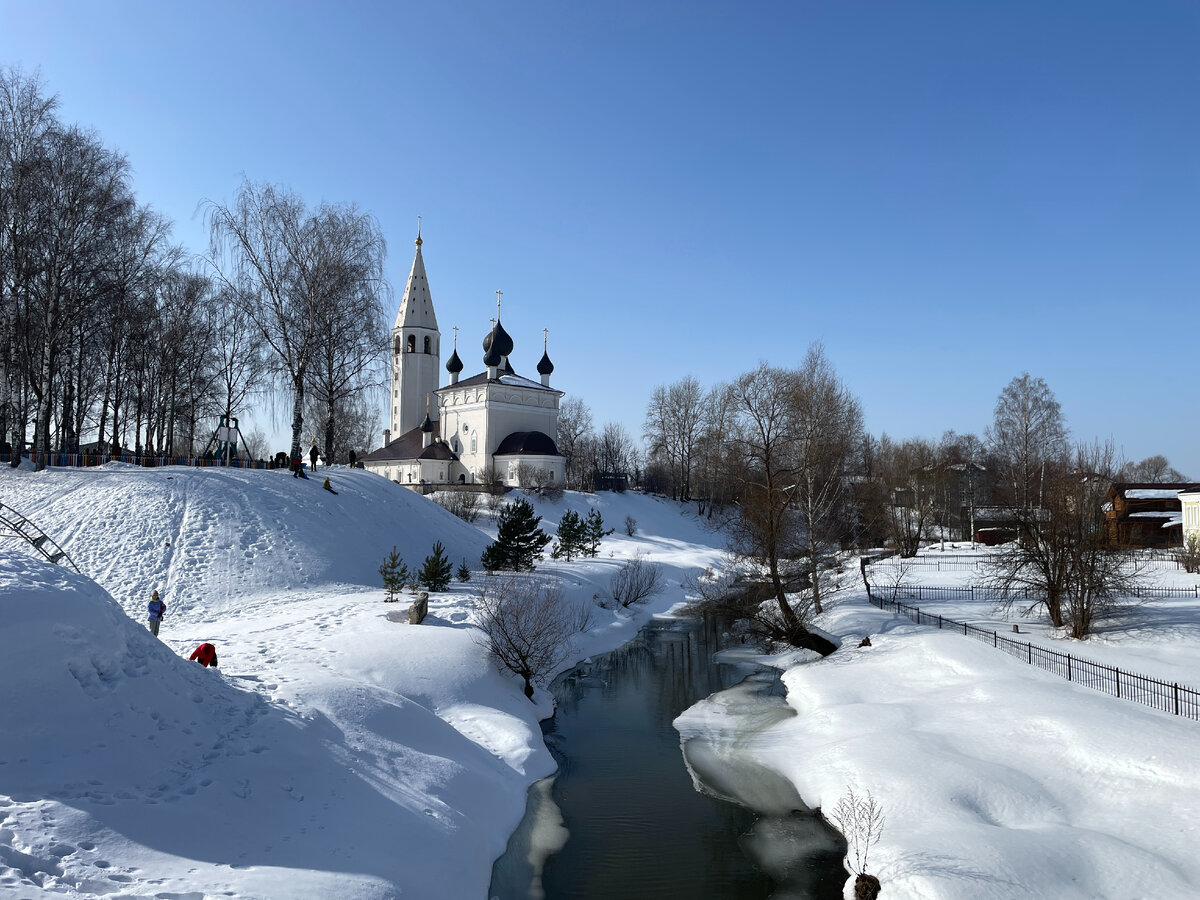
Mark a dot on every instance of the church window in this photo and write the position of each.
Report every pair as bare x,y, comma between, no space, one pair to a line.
396,344
427,344
412,343
465,427
472,443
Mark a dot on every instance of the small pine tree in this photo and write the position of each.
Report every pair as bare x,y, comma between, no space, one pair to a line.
395,575
519,540
494,558
435,573
464,574
594,532
572,536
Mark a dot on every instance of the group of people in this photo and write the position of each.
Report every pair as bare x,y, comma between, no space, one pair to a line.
156,609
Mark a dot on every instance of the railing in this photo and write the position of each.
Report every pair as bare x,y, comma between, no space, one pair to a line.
922,592
951,564
1170,697
84,460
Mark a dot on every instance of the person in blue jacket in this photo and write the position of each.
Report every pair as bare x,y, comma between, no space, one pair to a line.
155,612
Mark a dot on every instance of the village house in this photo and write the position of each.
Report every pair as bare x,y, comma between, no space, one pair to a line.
1145,514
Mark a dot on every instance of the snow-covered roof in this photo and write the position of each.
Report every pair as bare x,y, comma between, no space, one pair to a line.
509,380
1176,519
1155,514
1152,493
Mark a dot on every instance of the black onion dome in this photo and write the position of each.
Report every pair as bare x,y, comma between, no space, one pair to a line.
427,425
499,340
454,365
490,356
544,366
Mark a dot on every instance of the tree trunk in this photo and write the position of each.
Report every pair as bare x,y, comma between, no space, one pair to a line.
297,413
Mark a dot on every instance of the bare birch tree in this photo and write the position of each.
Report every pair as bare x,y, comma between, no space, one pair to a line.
289,268
1027,433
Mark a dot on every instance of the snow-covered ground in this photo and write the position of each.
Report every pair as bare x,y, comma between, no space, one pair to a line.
335,753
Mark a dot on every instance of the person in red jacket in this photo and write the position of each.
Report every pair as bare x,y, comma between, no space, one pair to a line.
205,654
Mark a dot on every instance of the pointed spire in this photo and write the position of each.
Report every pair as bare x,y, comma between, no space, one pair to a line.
416,304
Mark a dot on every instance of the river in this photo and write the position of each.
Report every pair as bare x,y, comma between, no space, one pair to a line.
628,814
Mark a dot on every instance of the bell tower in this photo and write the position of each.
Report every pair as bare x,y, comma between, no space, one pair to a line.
416,351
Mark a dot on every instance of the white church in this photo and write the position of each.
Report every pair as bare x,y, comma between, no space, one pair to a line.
495,422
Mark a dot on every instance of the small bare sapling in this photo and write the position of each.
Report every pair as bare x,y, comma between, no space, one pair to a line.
860,820
636,581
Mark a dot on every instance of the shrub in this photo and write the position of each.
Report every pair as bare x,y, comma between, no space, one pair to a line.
525,627
1189,555
464,504
630,526
539,481
636,581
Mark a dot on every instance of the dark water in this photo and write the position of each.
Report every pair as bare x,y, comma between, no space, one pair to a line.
623,817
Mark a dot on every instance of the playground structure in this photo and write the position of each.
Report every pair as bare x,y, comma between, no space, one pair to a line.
223,445
17,525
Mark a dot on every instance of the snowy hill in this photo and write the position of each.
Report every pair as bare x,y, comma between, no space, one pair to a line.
332,754
211,536
337,754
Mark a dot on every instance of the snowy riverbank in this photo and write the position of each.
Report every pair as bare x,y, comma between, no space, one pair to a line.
997,779
335,753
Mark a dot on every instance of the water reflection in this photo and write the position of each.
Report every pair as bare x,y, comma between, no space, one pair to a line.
636,824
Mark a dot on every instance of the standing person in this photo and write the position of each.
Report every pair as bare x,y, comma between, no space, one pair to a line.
155,611
312,455
352,459
205,654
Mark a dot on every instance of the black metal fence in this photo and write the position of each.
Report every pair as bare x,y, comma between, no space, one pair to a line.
84,460
1170,697
956,563
923,592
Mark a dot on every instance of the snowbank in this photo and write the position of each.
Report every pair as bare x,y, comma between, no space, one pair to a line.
332,754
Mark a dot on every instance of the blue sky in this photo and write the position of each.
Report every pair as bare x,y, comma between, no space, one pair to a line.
944,194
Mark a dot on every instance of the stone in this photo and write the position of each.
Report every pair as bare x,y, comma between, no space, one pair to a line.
419,610
866,887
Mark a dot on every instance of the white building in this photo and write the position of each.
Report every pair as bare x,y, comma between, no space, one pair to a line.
1190,501
494,422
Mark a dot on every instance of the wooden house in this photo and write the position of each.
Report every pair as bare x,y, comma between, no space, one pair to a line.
1144,514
